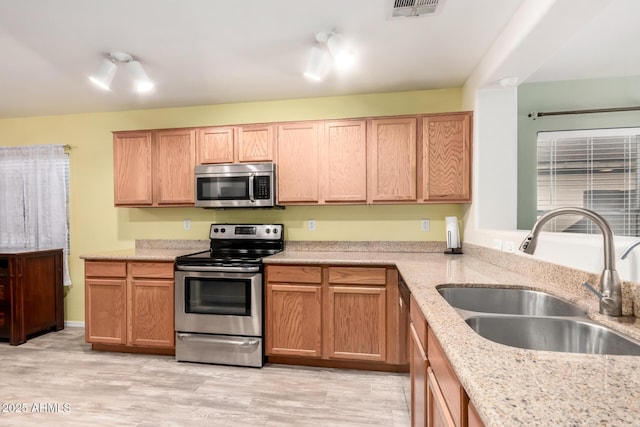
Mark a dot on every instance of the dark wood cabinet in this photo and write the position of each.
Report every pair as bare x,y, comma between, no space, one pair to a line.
31,293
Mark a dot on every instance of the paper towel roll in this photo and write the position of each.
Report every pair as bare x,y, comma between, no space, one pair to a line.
453,232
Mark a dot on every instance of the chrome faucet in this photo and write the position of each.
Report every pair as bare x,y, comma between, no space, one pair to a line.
629,249
610,294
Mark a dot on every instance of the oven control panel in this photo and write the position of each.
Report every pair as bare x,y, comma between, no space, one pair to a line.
246,231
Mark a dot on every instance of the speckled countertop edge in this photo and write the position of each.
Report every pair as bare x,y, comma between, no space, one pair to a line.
510,386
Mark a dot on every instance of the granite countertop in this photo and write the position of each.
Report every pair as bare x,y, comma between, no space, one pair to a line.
138,254
510,386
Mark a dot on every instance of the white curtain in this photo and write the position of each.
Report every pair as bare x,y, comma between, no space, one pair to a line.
33,199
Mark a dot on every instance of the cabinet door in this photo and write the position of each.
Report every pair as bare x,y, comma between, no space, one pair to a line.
437,412
343,159
151,313
474,418
294,320
297,166
418,371
132,168
356,323
446,157
173,167
214,145
255,143
106,314
392,160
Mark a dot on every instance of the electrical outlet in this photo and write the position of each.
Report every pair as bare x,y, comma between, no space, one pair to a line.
509,246
187,224
424,225
497,244
311,225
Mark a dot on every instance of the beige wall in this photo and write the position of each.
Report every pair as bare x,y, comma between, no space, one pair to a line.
96,225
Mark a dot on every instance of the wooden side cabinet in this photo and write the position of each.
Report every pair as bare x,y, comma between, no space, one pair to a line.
31,294
132,174
129,306
297,165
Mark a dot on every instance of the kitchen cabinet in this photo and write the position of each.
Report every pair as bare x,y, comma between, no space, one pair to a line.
235,144
154,168
297,166
129,306
437,412
334,314
294,317
474,418
418,365
31,293
356,313
343,162
446,157
132,159
392,160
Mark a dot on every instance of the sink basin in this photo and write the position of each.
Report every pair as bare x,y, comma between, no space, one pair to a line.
553,334
509,301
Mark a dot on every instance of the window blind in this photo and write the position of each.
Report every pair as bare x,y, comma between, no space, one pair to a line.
595,169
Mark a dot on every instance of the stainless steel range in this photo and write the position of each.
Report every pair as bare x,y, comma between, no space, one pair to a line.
219,296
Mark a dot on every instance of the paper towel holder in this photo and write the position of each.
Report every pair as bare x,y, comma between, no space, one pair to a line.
454,246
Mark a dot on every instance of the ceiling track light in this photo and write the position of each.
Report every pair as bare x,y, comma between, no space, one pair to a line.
329,45
107,70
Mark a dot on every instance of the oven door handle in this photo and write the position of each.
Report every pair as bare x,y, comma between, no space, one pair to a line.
252,179
226,342
254,269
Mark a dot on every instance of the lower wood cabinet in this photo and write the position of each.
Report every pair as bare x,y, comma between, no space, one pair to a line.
130,306
437,396
334,313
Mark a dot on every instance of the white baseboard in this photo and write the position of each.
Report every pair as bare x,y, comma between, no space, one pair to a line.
73,324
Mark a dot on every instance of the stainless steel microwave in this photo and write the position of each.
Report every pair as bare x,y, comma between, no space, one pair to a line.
243,185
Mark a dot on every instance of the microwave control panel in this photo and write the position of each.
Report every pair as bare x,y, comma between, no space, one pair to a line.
262,187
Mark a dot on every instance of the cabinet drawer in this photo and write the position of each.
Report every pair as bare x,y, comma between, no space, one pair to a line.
105,269
358,275
294,274
454,394
418,321
151,270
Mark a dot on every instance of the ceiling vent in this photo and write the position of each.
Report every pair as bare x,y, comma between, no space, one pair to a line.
408,8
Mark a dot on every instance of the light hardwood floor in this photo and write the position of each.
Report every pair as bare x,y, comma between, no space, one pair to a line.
56,380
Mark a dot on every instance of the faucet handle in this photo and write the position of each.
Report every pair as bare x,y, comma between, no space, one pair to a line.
605,300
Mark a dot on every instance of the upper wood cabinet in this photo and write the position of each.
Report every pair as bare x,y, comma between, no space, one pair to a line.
343,162
446,157
154,168
235,144
173,167
256,143
133,180
392,160
215,145
297,164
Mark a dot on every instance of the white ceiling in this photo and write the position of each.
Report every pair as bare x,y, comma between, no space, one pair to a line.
201,52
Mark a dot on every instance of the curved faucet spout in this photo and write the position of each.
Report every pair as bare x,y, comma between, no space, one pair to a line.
629,249
610,284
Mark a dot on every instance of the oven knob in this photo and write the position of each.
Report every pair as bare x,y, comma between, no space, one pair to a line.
275,230
215,230
268,230
222,230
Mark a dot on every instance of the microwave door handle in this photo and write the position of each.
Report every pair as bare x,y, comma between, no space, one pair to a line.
252,178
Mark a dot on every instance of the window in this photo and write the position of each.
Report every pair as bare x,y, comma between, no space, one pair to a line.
595,169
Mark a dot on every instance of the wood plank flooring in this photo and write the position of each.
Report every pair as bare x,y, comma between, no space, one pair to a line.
57,380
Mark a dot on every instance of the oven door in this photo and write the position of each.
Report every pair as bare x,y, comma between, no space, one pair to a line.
219,303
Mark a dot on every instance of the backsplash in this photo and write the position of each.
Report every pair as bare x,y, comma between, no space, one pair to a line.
565,277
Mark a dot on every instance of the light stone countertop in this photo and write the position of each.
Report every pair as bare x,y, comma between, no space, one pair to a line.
510,386
138,254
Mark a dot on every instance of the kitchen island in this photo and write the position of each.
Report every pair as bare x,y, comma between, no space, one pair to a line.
509,386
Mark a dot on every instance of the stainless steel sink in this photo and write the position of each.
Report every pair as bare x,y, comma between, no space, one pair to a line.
553,334
509,301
